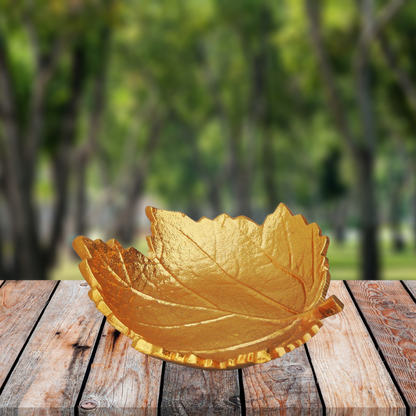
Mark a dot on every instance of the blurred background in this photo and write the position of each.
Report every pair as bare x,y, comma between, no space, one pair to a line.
205,107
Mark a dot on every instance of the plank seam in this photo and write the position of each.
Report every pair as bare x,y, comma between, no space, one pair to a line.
242,393
321,397
380,352
27,339
408,291
162,382
2,283
414,300
87,372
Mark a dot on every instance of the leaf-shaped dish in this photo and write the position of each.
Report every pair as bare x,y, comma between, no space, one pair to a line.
214,294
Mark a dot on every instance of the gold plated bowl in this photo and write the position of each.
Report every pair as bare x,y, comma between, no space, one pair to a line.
214,294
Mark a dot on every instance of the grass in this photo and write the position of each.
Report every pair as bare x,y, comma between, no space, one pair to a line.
343,261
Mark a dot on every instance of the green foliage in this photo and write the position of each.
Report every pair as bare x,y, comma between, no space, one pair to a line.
196,62
235,89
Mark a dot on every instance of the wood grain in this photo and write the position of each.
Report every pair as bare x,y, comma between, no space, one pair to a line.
390,314
122,381
21,303
194,392
284,386
50,372
350,373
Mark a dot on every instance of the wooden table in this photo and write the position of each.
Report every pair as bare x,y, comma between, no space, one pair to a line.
58,355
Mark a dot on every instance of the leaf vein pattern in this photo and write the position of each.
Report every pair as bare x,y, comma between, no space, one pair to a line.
124,265
143,294
186,287
277,265
289,244
239,282
165,302
148,297
208,321
245,344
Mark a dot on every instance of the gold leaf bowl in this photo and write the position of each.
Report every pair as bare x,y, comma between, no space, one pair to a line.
214,294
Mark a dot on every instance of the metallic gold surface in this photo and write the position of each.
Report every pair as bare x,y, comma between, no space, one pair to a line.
214,294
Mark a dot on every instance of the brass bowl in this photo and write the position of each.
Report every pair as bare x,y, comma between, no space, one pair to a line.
214,294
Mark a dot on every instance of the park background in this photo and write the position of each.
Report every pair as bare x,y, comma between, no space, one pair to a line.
205,107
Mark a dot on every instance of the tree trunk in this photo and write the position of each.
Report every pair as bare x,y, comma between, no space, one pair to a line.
213,182
62,161
28,259
414,220
398,241
2,265
28,263
406,84
243,187
194,210
214,195
81,197
95,121
363,152
240,171
414,209
233,171
125,226
369,250
23,131
339,219
270,183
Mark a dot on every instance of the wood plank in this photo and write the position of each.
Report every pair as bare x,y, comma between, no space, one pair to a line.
1,282
191,391
390,314
283,386
21,303
122,381
350,373
50,372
